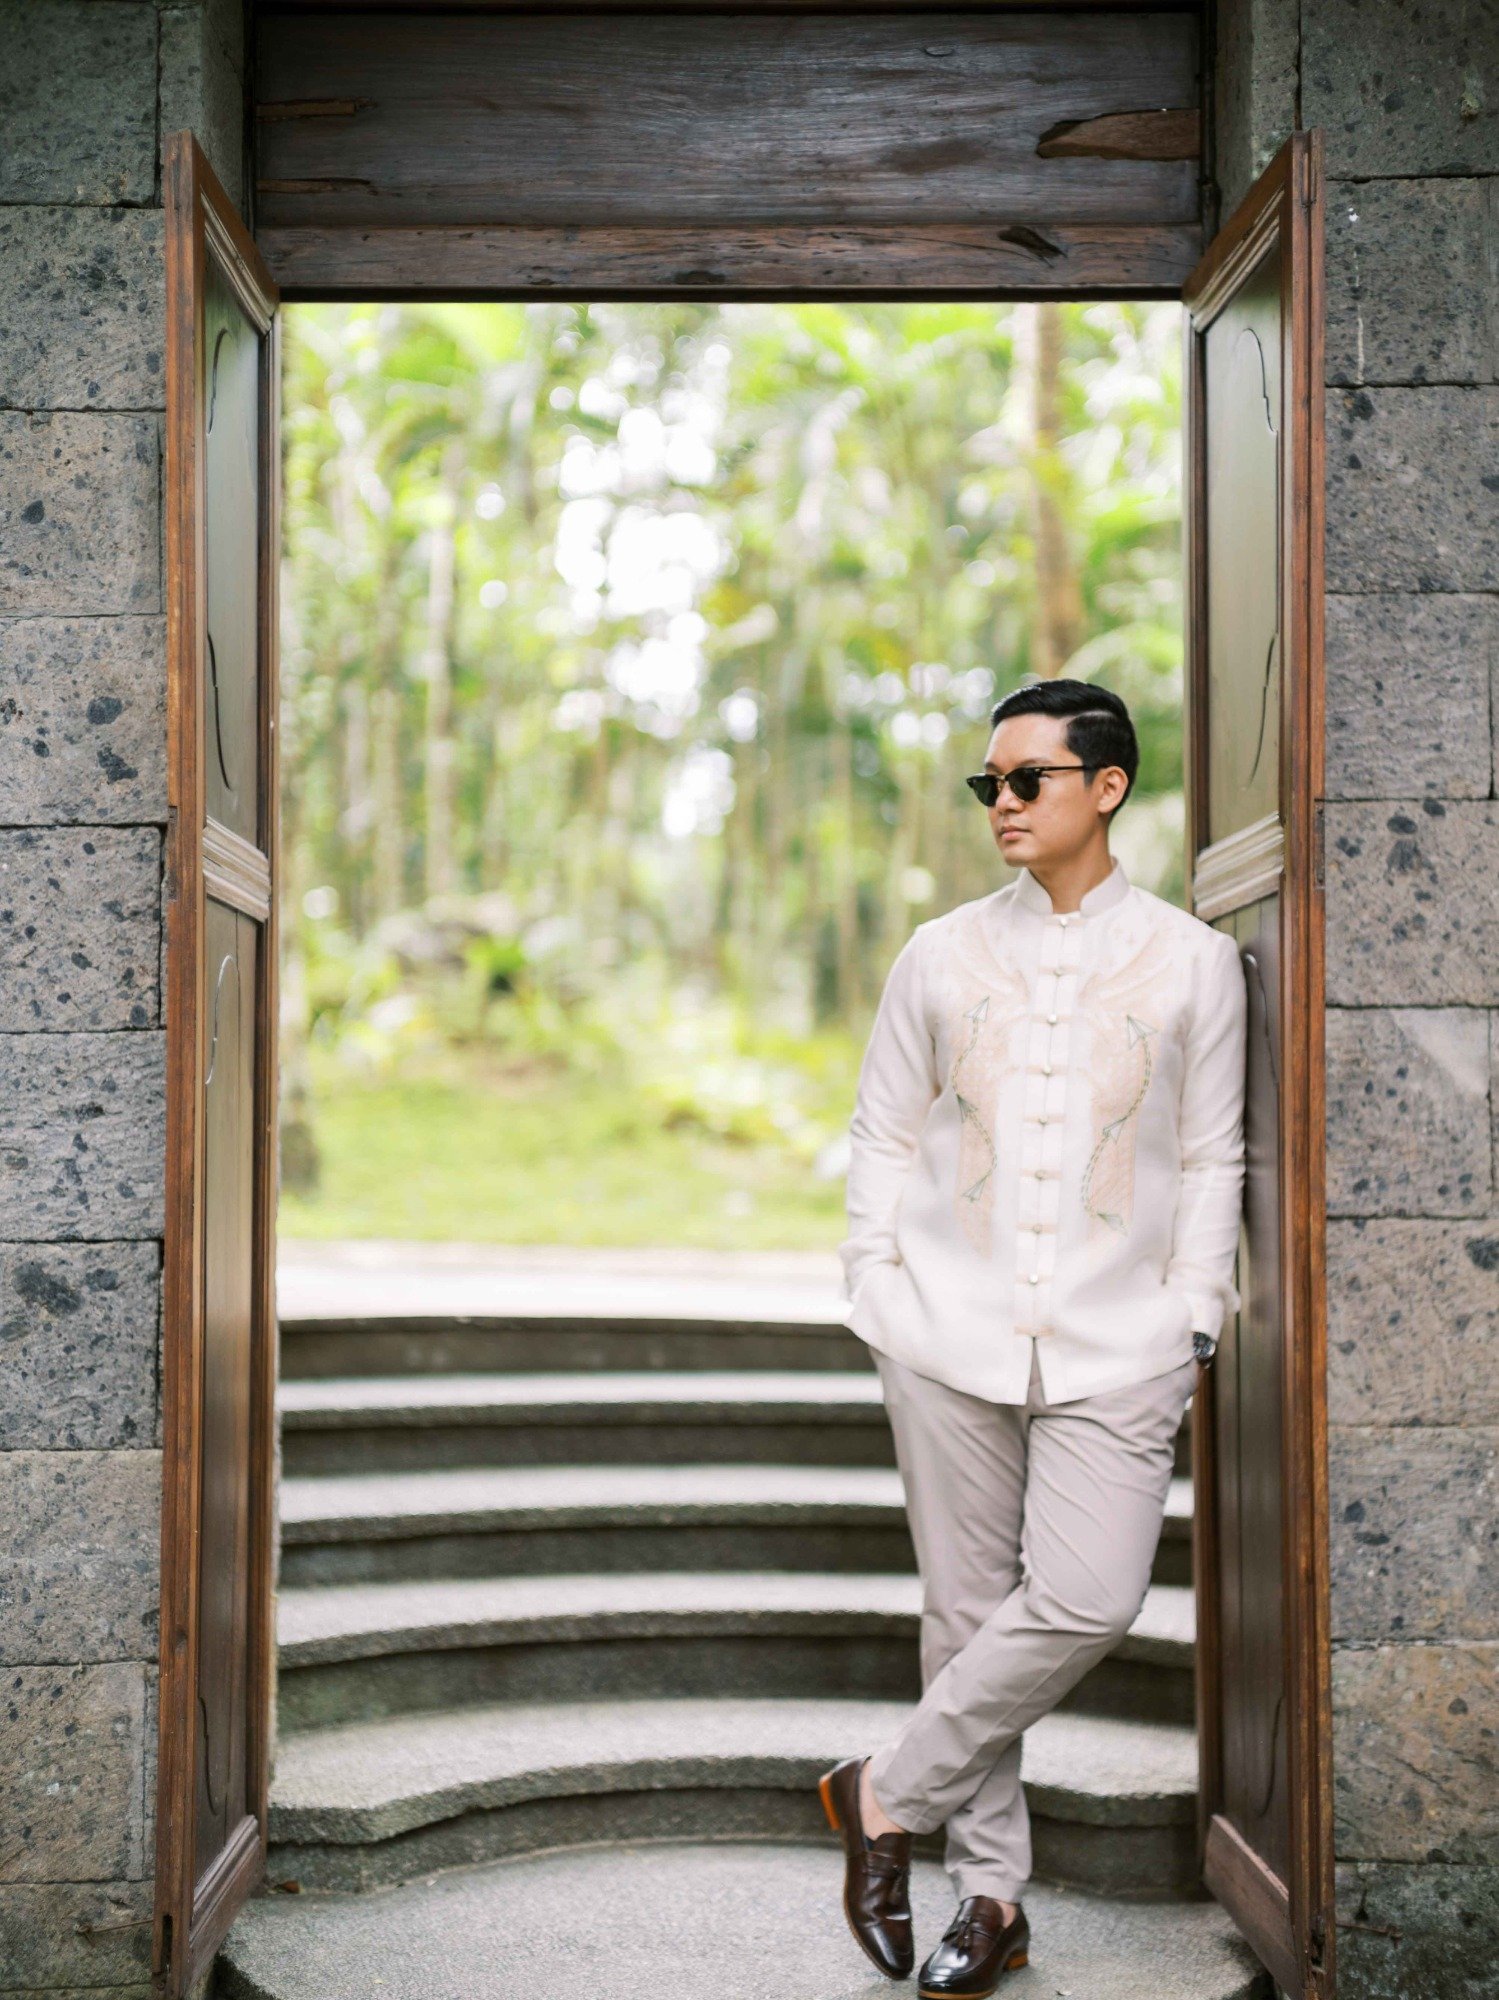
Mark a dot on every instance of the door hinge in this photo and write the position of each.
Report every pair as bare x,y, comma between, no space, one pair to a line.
1319,845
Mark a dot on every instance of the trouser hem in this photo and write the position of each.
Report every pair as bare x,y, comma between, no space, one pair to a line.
979,1881
914,1815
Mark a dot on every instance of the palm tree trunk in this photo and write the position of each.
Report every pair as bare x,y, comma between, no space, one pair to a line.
437,673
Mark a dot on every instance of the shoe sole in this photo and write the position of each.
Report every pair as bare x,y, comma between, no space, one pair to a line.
825,1793
946,1993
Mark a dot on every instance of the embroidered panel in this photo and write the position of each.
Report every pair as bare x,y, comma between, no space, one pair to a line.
1122,1012
982,1014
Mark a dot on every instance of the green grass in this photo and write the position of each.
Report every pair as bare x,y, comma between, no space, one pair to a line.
493,1154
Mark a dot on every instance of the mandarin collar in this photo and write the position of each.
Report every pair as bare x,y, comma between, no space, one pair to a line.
1102,896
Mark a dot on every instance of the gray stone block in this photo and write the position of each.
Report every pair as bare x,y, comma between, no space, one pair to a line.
79,1335
1401,90
202,89
1408,1111
1413,1753
80,914
1408,690
90,1934
82,1135
71,1758
1412,1322
1256,83
77,101
79,513
85,319
153,1749
1412,476
1416,1932
1412,290
1413,903
1414,1526
83,720
81,1579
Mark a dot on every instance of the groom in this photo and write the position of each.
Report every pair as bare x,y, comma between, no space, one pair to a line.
1043,1219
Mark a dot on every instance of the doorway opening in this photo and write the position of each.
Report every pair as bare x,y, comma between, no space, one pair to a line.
634,656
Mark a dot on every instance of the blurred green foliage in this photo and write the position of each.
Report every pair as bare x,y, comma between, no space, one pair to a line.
633,658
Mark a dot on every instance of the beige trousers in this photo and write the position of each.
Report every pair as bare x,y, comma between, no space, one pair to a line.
1035,1526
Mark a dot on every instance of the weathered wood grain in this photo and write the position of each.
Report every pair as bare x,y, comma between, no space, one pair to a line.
944,259
490,119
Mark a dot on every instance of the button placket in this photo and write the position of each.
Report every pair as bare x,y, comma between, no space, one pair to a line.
1041,1126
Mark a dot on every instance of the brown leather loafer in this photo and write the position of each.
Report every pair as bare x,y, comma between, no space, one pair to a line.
876,1874
978,1948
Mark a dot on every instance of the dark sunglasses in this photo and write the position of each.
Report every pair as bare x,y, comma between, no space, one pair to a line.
1024,781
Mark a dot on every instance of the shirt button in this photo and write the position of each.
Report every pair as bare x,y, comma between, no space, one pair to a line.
1035,1277
1046,1069
1051,1017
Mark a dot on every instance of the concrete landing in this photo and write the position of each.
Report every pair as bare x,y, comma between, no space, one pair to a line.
665,1922
325,1281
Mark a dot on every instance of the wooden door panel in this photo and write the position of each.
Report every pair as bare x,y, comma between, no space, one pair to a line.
1248,1428
1255,718
231,451
1241,361
222,1718
218,1339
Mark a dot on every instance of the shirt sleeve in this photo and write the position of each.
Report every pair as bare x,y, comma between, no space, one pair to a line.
1205,1239
898,1083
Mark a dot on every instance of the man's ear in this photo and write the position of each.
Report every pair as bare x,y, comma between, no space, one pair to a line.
1124,775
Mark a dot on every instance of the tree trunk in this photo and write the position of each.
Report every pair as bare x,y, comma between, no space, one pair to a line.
437,673
1058,627
389,888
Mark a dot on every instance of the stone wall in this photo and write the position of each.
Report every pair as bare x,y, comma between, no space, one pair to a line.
86,92
1408,96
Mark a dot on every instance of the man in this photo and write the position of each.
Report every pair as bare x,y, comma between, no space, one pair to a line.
1043,1217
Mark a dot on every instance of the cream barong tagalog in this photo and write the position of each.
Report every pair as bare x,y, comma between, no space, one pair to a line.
1048,1143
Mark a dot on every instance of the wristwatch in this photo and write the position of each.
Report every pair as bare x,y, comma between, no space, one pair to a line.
1204,1347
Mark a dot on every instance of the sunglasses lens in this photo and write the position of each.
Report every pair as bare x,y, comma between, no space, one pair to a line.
1025,783
985,788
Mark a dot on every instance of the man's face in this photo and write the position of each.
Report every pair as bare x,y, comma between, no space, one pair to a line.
1063,817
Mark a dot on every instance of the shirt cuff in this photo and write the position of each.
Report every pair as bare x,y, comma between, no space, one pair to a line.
1206,1309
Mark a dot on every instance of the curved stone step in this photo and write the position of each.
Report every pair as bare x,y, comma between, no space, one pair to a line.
356,1651
511,1521
547,1520
398,1422
752,1921
546,1343
372,1803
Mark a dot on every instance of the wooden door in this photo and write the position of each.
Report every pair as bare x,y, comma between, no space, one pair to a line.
218,1343
1254,784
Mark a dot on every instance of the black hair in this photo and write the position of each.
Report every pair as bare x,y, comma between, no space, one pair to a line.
1099,730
